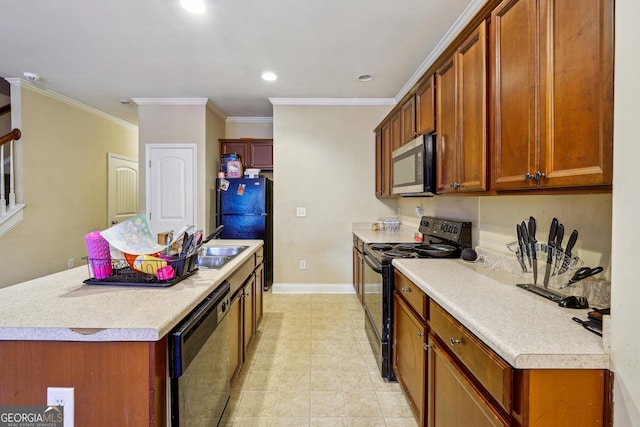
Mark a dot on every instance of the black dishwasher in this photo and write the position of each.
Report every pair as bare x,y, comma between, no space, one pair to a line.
199,363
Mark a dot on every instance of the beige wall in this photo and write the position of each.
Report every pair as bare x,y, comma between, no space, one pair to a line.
626,207
261,127
323,161
494,219
188,124
64,149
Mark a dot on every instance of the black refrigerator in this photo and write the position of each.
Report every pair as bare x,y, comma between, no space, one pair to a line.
244,207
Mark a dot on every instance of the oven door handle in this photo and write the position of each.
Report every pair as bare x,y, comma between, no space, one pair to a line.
374,265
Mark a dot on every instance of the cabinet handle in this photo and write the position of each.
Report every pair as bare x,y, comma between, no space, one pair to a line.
426,346
528,176
454,341
540,175
406,290
452,184
458,184
420,334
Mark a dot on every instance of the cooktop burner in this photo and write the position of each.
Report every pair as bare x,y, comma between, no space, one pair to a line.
399,253
443,239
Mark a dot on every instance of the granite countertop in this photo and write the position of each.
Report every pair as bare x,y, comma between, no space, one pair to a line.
60,307
526,330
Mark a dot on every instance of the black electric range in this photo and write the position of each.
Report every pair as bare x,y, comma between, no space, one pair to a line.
443,238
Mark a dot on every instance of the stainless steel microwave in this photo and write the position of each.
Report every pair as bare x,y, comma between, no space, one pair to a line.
414,167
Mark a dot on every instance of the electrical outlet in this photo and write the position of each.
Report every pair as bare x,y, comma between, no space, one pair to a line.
70,263
303,264
62,396
301,211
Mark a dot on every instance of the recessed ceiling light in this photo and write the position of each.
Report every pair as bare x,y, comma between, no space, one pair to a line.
269,76
365,77
194,6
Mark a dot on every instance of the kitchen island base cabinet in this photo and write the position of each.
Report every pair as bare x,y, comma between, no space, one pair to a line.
115,383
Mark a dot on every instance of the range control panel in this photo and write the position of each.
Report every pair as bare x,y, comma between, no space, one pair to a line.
454,231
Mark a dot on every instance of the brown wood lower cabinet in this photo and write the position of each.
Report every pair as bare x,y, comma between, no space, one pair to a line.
235,333
409,355
453,400
460,381
246,311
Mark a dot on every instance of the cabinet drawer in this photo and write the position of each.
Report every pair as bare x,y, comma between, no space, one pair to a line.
495,375
411,293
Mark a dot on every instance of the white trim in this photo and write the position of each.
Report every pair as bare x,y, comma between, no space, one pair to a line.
170,101
59,97
249,120
332,101
455,29
312,288
214,108
13,217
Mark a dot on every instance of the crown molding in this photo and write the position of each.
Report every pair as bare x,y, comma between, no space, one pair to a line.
65,99
170,101
333,101
455,29
249,120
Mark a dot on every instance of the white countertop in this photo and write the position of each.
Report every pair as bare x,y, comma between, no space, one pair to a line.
60,307
526,330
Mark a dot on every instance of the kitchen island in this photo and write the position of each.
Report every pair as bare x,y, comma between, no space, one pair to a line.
108,342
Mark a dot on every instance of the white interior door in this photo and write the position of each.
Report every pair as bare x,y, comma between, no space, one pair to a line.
171,186
122,188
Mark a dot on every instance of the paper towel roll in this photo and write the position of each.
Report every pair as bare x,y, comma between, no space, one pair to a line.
99,255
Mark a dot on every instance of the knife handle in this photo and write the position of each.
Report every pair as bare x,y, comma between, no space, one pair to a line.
559,237
571,243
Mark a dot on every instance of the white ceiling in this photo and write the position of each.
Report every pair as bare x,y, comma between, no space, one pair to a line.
101,51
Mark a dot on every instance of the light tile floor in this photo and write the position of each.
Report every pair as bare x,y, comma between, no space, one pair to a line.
310,364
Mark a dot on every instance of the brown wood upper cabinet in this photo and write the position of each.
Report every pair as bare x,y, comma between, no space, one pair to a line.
408,113
396,131
425,104
461,117
256,153
552,98
383,162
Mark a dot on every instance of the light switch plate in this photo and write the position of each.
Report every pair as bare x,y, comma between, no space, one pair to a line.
301,211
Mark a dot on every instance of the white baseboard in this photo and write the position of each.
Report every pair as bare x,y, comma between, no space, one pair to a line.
312,288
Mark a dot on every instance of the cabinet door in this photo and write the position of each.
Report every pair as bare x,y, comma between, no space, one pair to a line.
408,113
409,356
514,95
259,294
383,162
446,127
471,70
235,336
379,160
396,131
248,310
453,399
425,107
235,147
576,88
261,155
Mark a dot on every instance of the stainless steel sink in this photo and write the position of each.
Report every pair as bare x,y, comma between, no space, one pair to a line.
215,256
219,250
